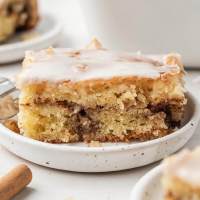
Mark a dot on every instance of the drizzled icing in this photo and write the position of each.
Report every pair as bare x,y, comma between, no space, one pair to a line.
77,65
185,166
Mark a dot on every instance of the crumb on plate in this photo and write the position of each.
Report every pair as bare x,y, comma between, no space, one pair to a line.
95,144
12,125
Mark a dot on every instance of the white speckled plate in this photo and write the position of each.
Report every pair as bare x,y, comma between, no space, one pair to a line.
45,34
110,157
149,187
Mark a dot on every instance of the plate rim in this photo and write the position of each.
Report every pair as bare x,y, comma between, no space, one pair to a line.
139,187
124,147
56,30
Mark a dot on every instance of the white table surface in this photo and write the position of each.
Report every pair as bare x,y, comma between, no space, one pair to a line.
61,185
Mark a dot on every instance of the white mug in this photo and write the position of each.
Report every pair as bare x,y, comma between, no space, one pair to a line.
149,26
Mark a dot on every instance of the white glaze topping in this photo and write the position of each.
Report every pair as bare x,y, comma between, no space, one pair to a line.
77,65
185,166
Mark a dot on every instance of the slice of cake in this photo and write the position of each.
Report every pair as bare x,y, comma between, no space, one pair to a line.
181,179
17,14
71,95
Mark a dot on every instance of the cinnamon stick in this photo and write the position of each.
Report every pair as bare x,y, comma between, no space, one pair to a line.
14,181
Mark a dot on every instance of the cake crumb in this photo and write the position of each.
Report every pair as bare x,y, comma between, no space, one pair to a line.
50,51
94,44
95,144
173,59
82,67
28,58
73,53
12,125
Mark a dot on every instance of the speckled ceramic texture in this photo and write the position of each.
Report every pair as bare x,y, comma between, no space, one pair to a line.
149,187
110,157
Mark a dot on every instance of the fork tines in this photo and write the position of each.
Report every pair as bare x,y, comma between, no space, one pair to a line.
8,99
6,87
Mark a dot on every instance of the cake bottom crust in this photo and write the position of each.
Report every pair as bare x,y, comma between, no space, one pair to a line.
190,196
107,138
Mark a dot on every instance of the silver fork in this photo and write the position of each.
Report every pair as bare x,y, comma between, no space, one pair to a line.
8,99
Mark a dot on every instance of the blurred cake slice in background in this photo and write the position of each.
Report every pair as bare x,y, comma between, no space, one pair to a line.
17,15
181,179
